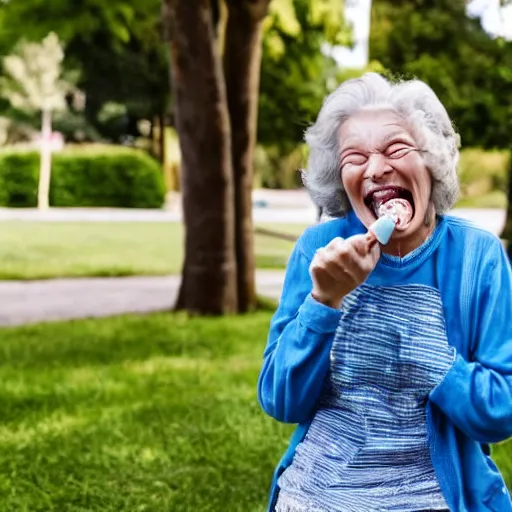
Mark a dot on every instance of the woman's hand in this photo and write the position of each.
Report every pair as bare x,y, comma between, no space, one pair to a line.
341,266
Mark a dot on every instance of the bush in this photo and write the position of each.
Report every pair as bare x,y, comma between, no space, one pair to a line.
483,173
276,169
85,176
18,178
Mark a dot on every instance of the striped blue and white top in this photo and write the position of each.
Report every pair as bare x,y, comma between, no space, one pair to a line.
367,446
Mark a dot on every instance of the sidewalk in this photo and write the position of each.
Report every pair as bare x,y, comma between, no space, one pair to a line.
62,299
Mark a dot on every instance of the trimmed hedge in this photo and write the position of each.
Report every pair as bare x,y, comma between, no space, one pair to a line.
19,174
103,176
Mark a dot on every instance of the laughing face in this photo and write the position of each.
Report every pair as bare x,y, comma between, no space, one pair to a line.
383,174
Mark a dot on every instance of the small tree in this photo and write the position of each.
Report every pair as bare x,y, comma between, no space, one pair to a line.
34,82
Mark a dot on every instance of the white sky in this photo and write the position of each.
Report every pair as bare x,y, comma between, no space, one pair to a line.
496,21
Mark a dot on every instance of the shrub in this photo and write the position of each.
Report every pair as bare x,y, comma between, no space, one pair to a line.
85,176
19,173
482,172
276,169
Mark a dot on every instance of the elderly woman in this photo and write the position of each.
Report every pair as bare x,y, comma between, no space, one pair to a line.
395,360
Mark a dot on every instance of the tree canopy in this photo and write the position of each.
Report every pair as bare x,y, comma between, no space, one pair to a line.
297,70
33,76
119,49
117,45
435,41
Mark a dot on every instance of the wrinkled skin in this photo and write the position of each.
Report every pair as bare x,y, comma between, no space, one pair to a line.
378,152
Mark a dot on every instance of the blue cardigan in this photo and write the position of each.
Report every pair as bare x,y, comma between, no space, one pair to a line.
469,409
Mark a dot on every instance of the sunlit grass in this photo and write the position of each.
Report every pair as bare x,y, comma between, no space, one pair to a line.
136,413
32,250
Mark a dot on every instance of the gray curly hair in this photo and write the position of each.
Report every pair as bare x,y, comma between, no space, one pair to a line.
416,103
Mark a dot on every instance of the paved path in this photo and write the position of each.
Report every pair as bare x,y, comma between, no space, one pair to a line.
59,299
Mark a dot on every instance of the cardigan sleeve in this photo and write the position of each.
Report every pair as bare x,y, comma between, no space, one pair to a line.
297,355
477,394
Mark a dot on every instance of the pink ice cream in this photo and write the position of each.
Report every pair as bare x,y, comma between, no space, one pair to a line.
400,210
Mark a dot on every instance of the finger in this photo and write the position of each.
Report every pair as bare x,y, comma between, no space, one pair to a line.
327,263
335,244
343,255
369,262
363,243
354,264
370,237
349,260
361,265
375,254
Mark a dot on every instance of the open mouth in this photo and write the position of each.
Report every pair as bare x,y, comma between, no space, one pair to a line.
395,202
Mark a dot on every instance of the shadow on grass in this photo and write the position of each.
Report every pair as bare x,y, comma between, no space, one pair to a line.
154,412
132,413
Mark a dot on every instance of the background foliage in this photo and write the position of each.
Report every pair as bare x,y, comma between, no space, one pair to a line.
85,176
119,49
470,71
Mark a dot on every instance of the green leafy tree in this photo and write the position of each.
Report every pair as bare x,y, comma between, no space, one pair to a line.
216,100
215,89
297,70
471,71
436,41
117,45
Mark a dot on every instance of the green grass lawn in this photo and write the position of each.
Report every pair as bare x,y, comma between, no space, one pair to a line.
30,250
138,413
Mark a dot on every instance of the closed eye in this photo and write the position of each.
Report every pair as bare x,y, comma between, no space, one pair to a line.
398,151
354,159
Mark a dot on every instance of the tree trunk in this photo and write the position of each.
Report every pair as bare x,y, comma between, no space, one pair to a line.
45,167
209,272
507,230
242,59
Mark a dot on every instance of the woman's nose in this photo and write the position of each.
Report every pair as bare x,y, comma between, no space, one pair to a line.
377,167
